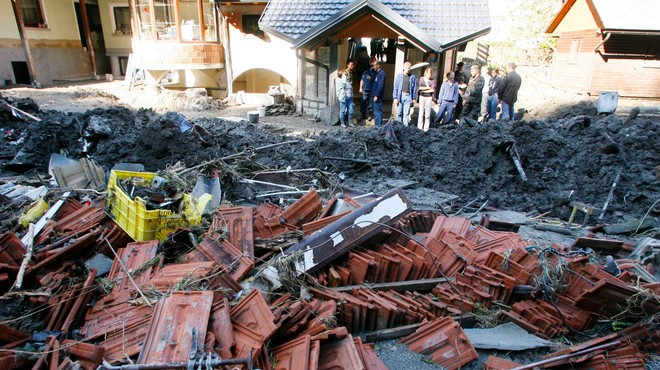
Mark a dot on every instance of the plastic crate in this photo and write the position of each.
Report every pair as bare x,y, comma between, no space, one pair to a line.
142,224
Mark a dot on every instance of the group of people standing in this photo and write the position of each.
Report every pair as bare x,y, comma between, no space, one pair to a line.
372,90
458,97
461,96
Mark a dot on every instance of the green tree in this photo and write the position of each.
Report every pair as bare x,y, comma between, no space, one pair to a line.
530,18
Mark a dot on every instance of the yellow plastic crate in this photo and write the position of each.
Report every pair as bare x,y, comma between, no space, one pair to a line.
142,224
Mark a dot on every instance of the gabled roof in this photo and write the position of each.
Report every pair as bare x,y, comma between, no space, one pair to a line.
430,24
616,15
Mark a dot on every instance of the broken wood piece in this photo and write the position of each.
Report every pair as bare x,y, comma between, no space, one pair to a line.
348,159
80,175
193,168
28,256
391,333
22,112
397,286
513,152
610,195
568,355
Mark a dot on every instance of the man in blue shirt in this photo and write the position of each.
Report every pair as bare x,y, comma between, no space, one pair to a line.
404,94
378,91
365,89
448,98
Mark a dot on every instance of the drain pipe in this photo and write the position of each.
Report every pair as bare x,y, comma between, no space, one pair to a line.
318,64
607,37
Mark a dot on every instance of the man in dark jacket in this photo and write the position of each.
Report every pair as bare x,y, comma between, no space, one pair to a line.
378,92
472,95
508,93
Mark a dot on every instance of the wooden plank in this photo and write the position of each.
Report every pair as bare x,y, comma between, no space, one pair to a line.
391,333
397,286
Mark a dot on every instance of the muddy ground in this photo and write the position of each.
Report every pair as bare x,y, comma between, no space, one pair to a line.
573,154
567,151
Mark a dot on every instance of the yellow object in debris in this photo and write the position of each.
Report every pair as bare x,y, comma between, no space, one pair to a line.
141,224
35,212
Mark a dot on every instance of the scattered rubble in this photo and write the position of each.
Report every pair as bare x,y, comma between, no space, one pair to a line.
313,251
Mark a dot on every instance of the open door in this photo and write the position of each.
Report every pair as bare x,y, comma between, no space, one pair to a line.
96,29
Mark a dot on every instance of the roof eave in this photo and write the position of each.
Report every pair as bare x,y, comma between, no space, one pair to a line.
317,35
631,32
465,39
275,32
560,16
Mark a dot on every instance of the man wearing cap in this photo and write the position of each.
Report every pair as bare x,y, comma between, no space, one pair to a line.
378,92
365,89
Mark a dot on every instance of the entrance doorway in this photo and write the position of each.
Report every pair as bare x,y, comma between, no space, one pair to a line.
21,73
96,30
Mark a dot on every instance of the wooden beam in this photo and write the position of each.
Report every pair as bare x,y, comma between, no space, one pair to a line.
88,35
391,333
397,286
24,41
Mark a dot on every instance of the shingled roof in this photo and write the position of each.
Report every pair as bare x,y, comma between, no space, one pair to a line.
431,24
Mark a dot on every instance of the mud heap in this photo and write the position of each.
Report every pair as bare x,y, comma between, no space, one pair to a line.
563,160
250,285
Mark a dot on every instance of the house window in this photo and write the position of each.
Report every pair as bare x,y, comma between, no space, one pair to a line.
165,20
574,51
251,25
32,12
121,19
208,14
176,20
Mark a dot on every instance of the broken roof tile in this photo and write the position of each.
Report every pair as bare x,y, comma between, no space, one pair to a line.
225,254
458,225
444,341
170,275
253,312
238,222
220,325
302,211
340,354
133,258
178,324
293,355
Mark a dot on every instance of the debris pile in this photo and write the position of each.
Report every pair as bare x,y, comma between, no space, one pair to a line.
263,284
306,259
565,161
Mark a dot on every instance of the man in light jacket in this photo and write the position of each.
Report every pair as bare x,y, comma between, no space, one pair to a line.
405,93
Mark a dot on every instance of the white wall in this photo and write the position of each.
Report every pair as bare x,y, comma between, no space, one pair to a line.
250,52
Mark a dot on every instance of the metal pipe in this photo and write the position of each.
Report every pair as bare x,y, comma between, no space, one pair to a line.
607,37
246,181
207,362
281,193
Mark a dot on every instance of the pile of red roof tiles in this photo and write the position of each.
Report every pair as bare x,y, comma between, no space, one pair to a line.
188,299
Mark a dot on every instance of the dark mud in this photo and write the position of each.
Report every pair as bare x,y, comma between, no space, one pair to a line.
565,158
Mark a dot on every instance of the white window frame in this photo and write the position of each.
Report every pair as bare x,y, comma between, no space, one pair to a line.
112,7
